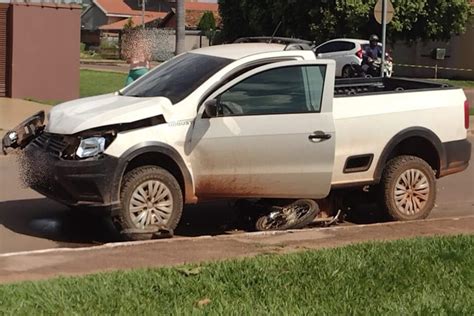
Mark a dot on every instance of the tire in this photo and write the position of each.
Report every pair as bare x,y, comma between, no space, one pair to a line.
347,72
408,188
311,210
136,186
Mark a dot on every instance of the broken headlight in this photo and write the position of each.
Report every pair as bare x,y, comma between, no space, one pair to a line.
90,147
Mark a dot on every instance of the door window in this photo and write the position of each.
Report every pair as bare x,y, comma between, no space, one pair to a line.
328,48
345,46
294,89
337,46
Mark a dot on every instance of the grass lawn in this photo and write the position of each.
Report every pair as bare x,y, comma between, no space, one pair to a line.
421,276
459,83
93,83
100,82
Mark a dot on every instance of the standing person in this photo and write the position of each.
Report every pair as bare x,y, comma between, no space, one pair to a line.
137,51
138,67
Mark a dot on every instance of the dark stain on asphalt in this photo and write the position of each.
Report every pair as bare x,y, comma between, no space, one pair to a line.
44,218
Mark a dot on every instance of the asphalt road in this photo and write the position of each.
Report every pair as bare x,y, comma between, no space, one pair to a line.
29,221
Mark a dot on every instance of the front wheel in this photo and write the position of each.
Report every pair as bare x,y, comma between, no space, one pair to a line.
408,188
150,198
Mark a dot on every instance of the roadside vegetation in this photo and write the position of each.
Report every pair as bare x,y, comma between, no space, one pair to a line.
323,20
93,83
465,84
421,276
100,82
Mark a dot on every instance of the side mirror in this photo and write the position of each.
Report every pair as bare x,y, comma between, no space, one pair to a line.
210,108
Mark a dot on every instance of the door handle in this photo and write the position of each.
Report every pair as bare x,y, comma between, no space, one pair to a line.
319,136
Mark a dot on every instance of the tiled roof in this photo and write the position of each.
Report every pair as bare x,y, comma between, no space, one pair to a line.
137,20
116,7
201,6
194,12
119,7
193,17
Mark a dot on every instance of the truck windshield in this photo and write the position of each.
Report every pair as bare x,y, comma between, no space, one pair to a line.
177,78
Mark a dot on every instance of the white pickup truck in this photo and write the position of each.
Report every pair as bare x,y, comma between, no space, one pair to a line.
250,120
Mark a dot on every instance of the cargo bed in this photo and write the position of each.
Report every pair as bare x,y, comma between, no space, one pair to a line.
364,86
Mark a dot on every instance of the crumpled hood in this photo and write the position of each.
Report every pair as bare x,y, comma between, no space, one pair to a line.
83,114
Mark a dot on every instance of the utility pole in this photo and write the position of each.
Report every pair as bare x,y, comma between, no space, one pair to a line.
180,27
143,13
384,36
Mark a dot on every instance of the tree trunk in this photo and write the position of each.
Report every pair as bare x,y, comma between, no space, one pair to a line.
180,25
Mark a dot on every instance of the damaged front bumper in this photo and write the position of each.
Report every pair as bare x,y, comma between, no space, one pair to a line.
87,182
24,133
44,166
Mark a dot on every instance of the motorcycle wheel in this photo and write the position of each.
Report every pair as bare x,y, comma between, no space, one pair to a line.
347,72
292,216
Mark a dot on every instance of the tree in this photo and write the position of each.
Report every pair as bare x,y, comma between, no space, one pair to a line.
321,20
180,27
207,25
129,25
233,19
430,19
207,22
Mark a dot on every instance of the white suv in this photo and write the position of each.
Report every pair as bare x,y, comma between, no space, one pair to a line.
344,51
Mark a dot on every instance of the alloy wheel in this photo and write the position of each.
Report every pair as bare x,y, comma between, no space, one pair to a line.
151,204
412,191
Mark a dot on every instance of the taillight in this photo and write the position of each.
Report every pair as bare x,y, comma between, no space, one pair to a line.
360,53
466,114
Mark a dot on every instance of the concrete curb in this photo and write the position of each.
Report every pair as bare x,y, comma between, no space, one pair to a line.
226,237
93,68
52,263
102,61
110,62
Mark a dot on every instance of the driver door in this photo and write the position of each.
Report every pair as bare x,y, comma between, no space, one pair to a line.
273,136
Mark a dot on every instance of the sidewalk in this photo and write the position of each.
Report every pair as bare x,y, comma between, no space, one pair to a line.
102,61
43,264
14,111
119,66
109,62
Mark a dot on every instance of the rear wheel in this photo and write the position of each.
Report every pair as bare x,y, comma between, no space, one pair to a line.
408,188
347,72
151,198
